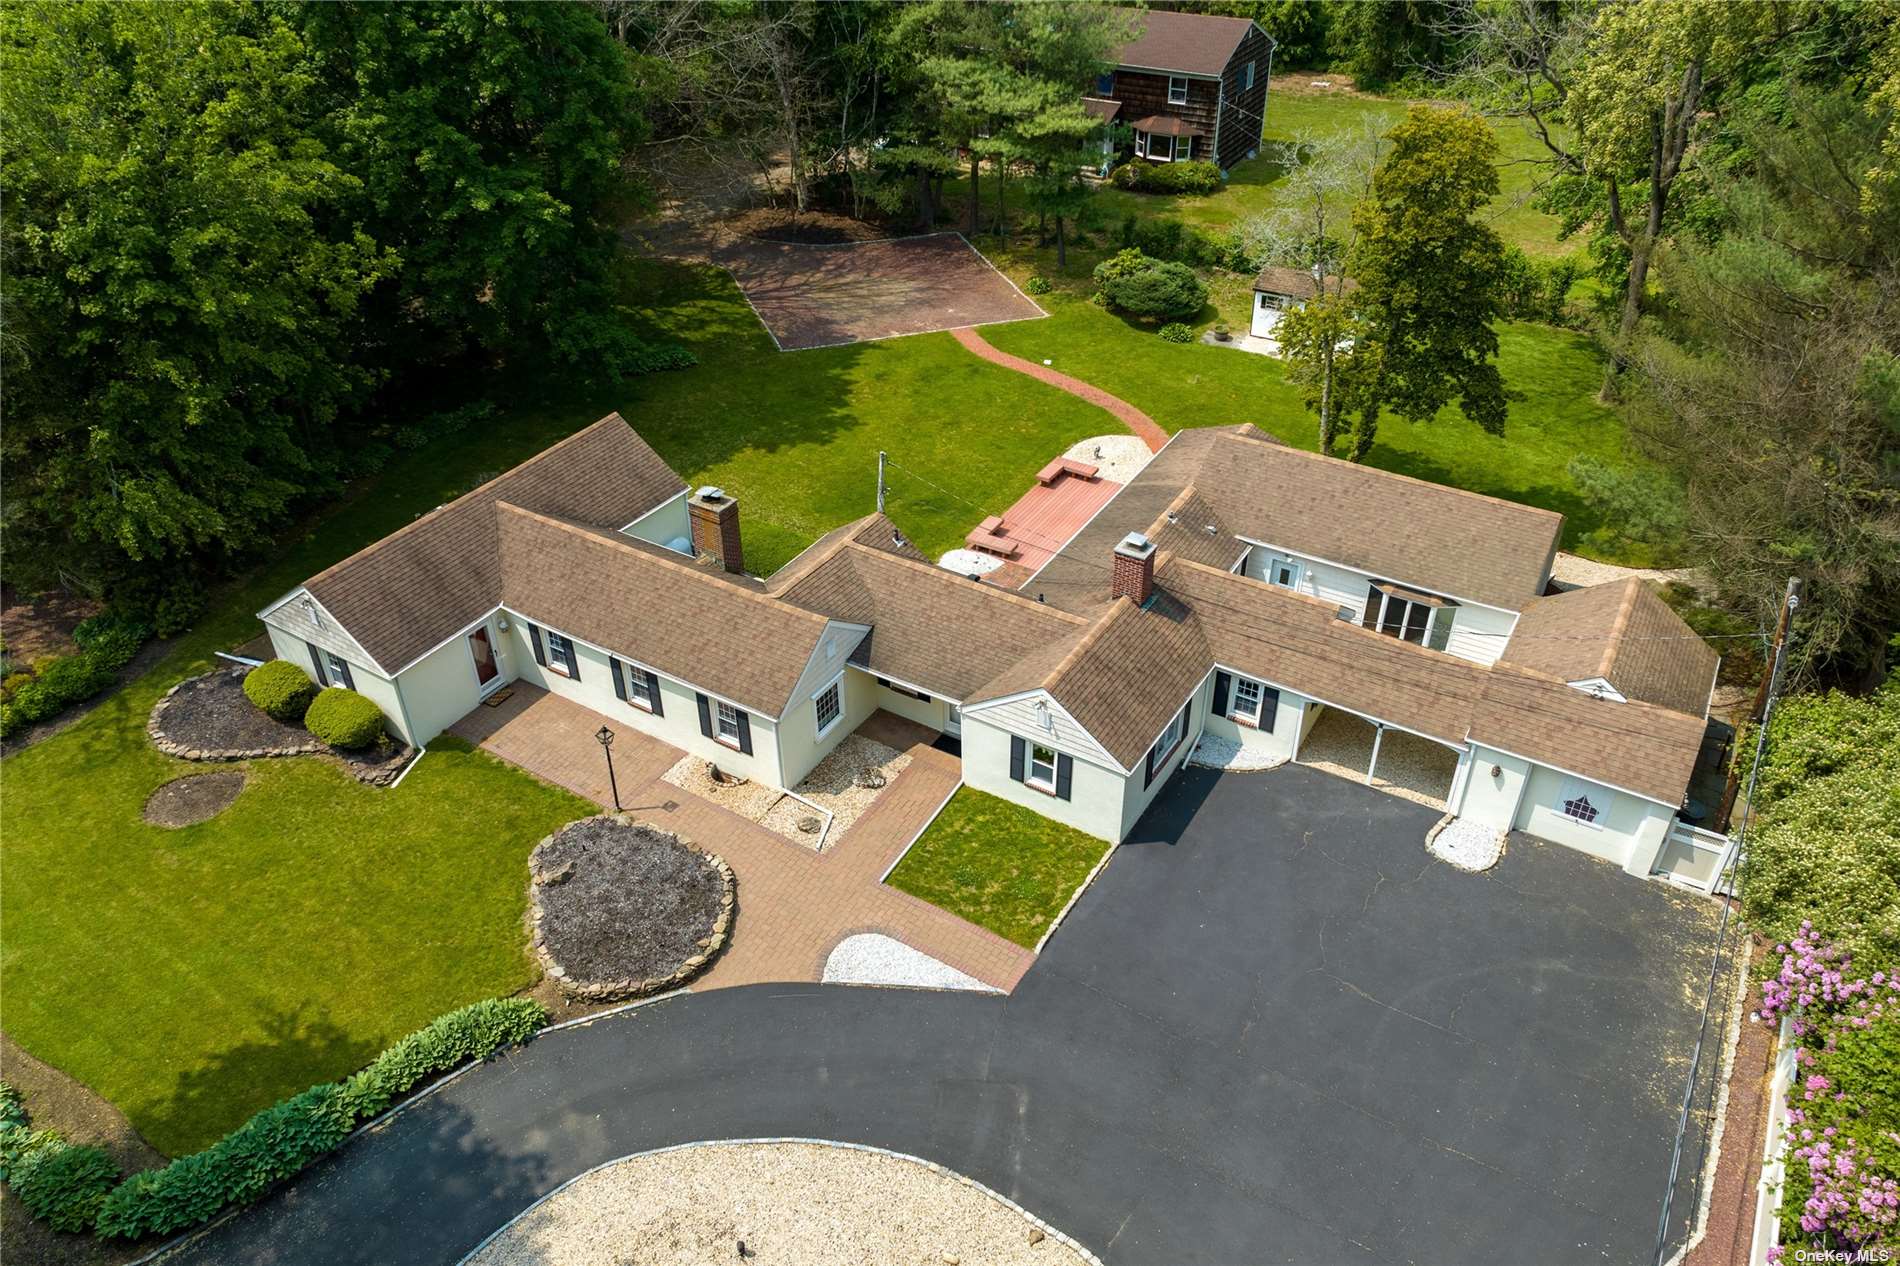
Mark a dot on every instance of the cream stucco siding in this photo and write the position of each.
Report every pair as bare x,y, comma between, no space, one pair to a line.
679,723
801,744
1256,742
1492,798
1628,831
441,688
934,713
1135,797
1095,800
666,524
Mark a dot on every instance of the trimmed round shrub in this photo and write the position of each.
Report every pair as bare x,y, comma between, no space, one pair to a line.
1122,264
342,718
65,1186
1037,285
1175,332
281,689
1167,289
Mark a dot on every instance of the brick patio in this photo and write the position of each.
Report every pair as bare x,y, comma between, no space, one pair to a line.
794,905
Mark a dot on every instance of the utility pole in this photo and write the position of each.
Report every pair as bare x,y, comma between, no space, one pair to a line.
1758,713
880,481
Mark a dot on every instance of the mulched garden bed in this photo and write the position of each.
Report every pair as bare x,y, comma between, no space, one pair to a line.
194,799
619,909
211,718
818,228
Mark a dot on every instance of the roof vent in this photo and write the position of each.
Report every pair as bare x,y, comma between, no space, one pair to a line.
1135,545
1344,613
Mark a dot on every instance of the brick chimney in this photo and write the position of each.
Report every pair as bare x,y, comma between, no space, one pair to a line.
1134,569
715,520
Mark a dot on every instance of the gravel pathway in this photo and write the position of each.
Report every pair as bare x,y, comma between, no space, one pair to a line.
1118,458
1573,571
1466,844
809,1204
871,958
1223,753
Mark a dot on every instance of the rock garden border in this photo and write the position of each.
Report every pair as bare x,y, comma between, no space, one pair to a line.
626,987
366,767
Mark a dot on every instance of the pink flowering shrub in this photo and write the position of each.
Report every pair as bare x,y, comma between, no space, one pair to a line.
1842,1188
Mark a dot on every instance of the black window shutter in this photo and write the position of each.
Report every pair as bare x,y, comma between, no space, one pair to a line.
705,714
1018,750
1373,598
1065,775
573,660
1221,684
653,692
349,679
1269,707
745,733
534,640
1148,770
620,683
316,658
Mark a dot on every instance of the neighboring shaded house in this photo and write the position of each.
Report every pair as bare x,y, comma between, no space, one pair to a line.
1277,291
1190,86
1237,588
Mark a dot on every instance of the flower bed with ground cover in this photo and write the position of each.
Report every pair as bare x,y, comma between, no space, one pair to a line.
620,909
1842,1148
999,865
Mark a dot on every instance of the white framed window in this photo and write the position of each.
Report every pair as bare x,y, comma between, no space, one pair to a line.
641,688
1404,619
1246,700
339,671
828,706
1158,148
560,654
1581,802
1177,89
1042,767
1284,572
1170,739
726,725
1246,80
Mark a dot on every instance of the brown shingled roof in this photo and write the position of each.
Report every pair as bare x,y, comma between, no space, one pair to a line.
403,595
1187,43
690,623
1297,282
1622,632
930,627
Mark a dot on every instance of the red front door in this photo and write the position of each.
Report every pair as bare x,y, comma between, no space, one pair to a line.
478,645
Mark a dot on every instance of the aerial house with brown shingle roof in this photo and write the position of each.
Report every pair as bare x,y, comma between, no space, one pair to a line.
1237,593
1189,86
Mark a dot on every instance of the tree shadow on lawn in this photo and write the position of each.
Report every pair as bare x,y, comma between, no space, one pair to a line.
295,1050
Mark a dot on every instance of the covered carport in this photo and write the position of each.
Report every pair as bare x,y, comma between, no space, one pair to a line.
1382,756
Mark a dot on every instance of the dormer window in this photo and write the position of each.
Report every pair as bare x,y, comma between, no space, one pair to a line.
1177,89
1408,615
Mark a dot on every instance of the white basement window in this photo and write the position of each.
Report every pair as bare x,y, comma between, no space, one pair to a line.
728,725
1177,89
560,654
828,706
1581,802
1042,767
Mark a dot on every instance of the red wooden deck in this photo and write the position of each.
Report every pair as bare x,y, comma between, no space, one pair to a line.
1036,528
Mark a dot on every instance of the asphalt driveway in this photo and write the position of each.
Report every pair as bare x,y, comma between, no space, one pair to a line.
1274,1030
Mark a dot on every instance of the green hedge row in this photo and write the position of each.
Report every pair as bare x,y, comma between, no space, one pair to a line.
286,1137
62,1184
1197,176
106,644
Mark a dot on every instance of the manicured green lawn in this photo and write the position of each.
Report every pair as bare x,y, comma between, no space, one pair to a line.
998,865
193,976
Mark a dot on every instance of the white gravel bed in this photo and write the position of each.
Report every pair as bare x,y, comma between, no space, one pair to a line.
1118,458
1214,752
970,562
832,786
1466,844
792,1203
1573,571
1410,767
871,958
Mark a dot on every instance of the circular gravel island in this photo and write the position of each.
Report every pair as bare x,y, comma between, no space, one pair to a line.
792,1203
621,909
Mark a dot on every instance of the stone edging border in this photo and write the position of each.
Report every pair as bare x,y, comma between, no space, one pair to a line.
184,751
383,773
629,987
1050,1232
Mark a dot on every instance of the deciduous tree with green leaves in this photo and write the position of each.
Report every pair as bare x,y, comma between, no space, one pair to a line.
1428,270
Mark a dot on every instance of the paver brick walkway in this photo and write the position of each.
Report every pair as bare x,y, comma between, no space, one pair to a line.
1134,419
794,905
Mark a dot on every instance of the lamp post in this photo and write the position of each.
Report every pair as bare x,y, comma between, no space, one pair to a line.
605,737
